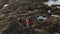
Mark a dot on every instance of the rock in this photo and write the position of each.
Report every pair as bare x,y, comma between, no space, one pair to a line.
52,2
41,17
55,15
9,17
49,11
58,7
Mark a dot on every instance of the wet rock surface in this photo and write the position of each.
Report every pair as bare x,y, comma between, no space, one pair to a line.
9,17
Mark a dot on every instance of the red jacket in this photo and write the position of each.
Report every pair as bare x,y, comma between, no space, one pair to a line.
27,21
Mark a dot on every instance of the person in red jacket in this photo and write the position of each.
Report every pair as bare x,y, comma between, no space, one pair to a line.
27,23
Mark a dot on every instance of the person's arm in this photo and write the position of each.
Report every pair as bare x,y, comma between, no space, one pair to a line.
20,22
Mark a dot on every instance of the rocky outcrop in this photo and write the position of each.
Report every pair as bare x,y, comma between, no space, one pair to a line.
10,15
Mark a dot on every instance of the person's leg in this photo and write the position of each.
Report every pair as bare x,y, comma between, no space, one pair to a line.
27,26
